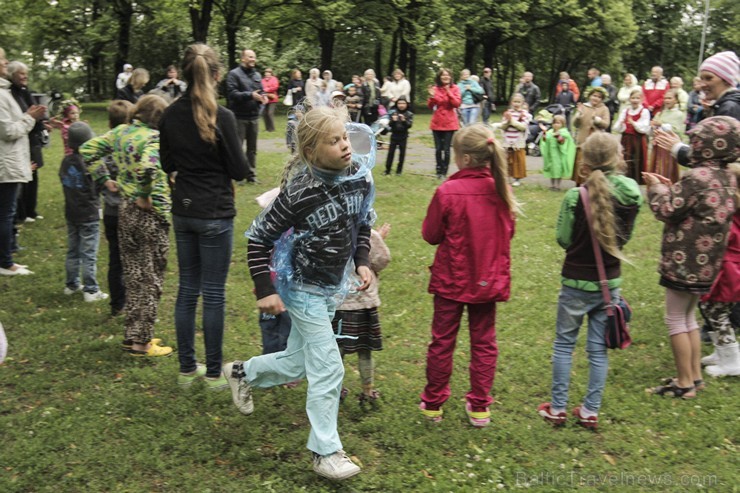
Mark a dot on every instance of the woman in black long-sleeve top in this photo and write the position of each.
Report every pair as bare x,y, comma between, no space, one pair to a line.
201,149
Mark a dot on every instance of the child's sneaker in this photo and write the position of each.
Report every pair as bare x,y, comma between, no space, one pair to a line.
591,422
187,379
433,415
96,296
336,466
70,291
479,419
241,391
217,383
545,411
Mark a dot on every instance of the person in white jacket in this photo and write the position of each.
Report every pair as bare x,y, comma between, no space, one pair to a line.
15,164
397,87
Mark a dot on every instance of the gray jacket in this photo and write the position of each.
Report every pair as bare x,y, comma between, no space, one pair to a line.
15,157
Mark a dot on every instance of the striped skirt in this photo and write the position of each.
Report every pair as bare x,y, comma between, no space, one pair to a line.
634,147
517,163
663,163
362,324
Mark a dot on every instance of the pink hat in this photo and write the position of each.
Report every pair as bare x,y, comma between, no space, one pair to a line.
724,65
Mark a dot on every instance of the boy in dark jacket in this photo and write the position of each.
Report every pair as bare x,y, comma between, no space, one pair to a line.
401,121
82,212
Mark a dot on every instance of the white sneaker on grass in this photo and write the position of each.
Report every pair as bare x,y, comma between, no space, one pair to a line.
241,391
71,291
96,296
336,466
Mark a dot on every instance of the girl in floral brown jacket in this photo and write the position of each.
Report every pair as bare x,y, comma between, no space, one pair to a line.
697,212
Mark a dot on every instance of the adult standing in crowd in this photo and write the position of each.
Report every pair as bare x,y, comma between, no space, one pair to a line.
245,97
28,198
295,86
328,86
270,86
594,77
530,91
14,164
681,95
444,99
313,86
124,76
654,90
590,117
471,93
134,90
489,98
370,97
611,101
572,85
623,95
199,141
718,76
171,85
398,87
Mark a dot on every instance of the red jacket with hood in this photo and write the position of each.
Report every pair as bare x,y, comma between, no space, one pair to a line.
473,228
444,103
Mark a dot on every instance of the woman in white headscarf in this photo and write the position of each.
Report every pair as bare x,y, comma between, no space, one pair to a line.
623,95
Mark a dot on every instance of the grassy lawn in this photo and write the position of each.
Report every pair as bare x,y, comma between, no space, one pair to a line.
79,415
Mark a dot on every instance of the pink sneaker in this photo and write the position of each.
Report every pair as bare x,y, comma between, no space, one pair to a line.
433,415
479,419
545,411
591,423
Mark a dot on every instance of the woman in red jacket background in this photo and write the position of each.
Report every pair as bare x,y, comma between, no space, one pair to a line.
444,99
270,85
471,218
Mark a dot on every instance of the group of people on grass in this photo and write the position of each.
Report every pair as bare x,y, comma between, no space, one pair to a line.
174,165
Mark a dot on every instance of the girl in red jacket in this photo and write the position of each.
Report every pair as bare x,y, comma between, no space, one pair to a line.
444,99
471,218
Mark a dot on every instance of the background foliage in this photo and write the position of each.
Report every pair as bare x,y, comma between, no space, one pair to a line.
78,46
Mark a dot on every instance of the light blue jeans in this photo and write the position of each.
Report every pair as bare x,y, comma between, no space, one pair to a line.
82,251
312,353
470,115
573,305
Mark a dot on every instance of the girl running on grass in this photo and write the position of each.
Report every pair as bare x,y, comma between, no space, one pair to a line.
614,203
471,218
319,229
697,212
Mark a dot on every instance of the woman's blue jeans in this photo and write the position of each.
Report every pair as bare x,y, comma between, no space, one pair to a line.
203,258
470,115
573,305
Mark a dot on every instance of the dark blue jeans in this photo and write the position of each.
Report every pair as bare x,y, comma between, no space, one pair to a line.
8,195
442,142
203,258
275,331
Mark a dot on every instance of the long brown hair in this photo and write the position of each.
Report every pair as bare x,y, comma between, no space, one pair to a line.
602,156
479,143
200,67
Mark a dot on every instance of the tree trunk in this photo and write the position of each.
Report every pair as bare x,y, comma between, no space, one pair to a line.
403,50
471,43
412,70
326,40
124,11
378,66
200,19
394,50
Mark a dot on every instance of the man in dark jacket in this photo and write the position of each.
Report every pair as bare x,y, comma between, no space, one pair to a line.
245,97
488,97
530,91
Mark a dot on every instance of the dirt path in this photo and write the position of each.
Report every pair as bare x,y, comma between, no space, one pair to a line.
419,159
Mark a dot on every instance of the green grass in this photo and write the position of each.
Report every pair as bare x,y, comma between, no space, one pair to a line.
78,415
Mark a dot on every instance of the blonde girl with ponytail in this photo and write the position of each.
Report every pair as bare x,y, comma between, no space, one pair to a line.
201,150
614,203
471,219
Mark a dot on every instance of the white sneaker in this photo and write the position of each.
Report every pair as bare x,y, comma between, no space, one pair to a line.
241,391
30,220
19,271
516,183
335,466
39,217
70,291
96,296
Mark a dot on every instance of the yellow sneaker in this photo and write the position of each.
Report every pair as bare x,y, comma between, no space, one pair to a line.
433,415
153,351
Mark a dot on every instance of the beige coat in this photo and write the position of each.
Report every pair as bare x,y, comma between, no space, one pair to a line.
15,156
380,257
587,122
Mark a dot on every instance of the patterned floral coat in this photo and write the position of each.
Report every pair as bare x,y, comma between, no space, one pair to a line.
697,212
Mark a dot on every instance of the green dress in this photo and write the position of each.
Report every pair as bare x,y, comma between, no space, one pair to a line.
558,158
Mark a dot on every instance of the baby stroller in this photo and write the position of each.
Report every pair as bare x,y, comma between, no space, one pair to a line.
381,126
535,132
